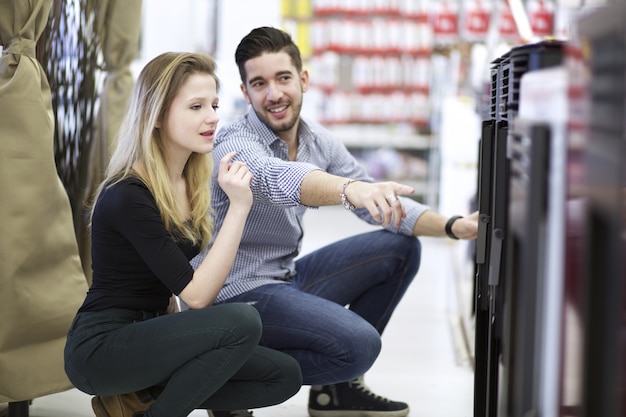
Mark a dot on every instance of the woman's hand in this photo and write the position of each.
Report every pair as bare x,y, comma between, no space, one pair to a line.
234,177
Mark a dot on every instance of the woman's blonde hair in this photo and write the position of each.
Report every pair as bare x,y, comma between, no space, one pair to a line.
140,141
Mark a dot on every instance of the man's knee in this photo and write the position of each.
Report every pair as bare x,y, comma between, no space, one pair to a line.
366,347
408,248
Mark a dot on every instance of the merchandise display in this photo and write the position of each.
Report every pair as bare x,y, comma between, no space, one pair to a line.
512,109
384,68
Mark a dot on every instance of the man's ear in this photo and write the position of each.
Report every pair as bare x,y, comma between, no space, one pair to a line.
304,80
245,93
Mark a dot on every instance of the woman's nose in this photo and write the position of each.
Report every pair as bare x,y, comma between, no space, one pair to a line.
212,117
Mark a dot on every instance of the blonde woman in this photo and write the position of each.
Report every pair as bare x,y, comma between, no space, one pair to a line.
127,345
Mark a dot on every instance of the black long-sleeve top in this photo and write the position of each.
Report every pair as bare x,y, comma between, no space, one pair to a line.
136,263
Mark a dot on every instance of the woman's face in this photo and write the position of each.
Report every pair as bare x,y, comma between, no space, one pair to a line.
192,119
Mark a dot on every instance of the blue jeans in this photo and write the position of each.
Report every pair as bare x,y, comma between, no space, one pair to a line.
308,319
207,358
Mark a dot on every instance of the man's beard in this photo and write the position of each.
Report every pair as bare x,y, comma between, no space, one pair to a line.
281,126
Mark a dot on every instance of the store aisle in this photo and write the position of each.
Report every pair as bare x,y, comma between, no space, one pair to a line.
423,361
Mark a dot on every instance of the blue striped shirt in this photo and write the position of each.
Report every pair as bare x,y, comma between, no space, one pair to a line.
274,229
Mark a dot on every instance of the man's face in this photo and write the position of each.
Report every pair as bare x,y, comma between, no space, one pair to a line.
275,89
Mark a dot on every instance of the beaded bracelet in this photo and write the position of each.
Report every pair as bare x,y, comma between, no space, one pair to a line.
344,199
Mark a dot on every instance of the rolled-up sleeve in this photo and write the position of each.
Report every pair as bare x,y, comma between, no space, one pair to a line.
275,180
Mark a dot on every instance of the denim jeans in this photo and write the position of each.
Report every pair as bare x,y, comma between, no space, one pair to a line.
308,319
207,358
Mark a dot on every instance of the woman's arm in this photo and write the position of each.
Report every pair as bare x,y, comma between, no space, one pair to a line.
208,279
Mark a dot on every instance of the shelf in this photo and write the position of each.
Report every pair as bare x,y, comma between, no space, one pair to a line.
373,69
372,51
376,136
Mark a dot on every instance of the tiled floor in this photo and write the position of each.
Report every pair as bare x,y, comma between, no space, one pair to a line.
423,361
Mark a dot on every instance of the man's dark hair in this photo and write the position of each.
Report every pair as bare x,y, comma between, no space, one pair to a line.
263,40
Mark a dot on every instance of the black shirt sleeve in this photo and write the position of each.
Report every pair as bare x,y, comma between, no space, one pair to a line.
136,262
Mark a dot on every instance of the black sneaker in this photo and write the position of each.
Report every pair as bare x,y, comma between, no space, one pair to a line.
352,399
231,413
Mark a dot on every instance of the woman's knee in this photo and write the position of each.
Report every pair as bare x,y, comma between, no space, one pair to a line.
290,374
292,378
242,320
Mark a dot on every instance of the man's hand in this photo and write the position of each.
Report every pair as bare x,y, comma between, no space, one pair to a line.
466,228
431,223
380,199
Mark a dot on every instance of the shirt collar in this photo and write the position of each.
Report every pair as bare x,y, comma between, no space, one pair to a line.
305,130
